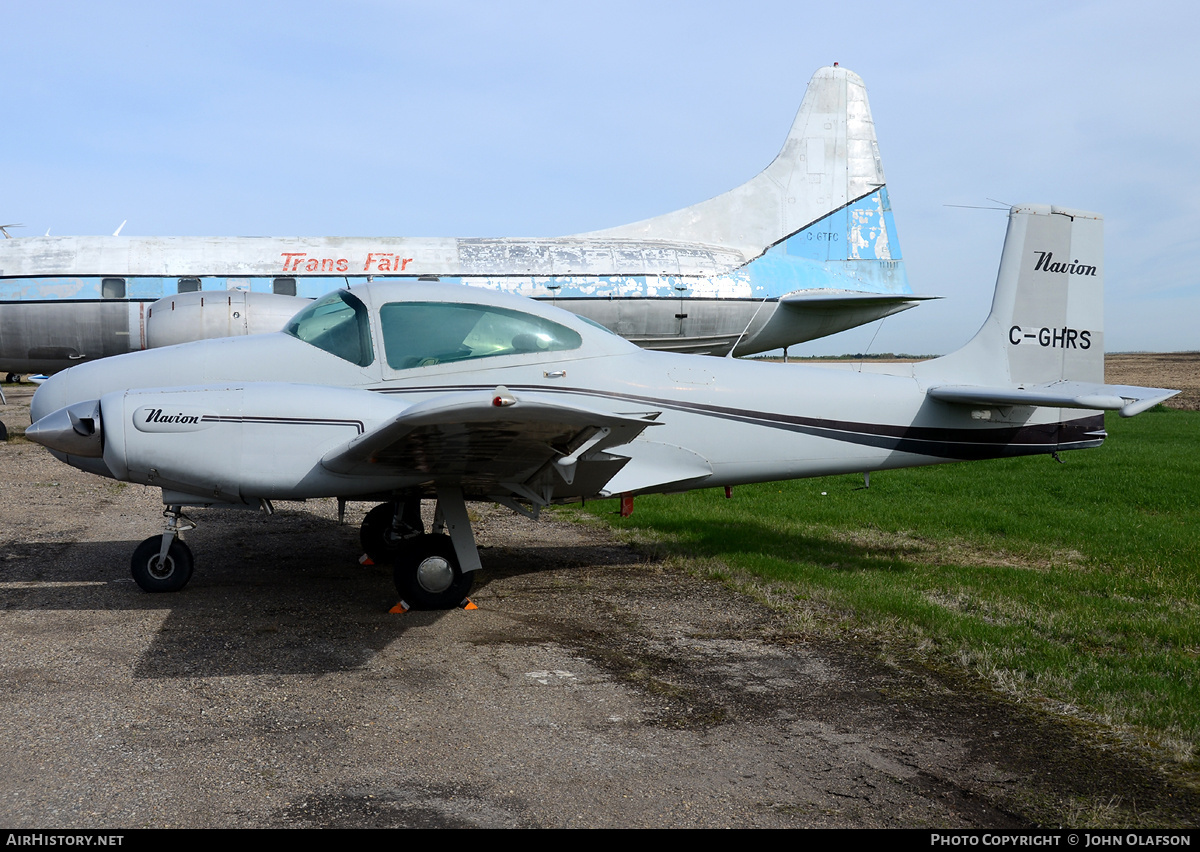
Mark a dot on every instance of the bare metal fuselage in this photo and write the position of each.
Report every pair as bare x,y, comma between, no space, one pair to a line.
57,309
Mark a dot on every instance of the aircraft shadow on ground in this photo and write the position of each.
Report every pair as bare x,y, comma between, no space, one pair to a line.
282,595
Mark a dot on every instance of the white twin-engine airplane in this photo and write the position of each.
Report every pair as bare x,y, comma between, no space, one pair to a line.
805,249
399,392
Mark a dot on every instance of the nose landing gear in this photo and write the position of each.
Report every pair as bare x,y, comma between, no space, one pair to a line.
164,563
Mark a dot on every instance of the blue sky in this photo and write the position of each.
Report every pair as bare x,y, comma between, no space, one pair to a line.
539,119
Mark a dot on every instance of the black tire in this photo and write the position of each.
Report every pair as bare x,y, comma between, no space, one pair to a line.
428,575
169,577
381,539
12,378
3,432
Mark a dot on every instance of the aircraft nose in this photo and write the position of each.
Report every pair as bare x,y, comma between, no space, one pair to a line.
74,430
50,396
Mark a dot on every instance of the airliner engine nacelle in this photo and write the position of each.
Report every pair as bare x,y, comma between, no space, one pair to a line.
217,313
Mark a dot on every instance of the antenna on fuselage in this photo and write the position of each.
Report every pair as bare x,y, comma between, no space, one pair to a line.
4,229
117,232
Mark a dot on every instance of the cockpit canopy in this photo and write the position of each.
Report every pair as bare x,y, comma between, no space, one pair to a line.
417,334
420,334
337,323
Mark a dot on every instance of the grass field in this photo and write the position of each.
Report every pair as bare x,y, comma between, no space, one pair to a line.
1075,584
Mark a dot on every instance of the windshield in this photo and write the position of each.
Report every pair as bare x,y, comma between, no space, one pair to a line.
337,324
418,334
603,328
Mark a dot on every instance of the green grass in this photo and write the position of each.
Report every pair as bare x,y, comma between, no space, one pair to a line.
1076,583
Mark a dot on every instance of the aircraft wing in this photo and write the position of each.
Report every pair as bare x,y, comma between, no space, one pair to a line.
1127,399
532,445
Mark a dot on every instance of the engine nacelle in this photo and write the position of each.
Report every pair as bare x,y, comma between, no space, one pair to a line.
217,313
233,443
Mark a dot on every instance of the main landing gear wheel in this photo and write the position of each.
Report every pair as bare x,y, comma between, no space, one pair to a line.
155,574
383,537
428,575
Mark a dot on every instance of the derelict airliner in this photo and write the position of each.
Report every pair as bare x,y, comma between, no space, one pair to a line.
806,248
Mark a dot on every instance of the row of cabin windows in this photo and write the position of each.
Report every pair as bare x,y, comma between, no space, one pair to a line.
114,288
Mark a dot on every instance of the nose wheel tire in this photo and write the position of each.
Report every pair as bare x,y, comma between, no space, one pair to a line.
155,574
428,575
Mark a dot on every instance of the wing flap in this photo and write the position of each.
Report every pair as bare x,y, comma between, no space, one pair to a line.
1127,399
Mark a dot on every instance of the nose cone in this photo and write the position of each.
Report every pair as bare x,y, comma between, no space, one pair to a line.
74,430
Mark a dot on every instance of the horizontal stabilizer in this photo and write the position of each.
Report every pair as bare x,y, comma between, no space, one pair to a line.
849,299
1127,399
654,465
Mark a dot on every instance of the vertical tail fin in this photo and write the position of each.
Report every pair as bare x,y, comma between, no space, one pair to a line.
1047,317
1043,342
829,161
